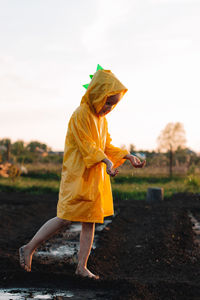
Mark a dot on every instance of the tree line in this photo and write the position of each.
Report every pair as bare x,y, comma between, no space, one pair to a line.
21,152
171,150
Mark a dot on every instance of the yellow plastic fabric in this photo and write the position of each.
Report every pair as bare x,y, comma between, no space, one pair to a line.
85,193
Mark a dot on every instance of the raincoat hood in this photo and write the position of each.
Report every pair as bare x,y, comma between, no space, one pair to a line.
103,84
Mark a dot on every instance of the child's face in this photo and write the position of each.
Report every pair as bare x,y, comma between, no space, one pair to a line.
111,100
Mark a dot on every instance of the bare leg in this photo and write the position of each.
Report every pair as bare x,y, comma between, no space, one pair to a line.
45,232
86,240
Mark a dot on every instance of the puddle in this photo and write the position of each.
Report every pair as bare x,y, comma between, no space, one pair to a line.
66,244
39,294
100,227
20,293
195,227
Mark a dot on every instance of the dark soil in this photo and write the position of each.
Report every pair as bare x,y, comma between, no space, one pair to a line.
148,251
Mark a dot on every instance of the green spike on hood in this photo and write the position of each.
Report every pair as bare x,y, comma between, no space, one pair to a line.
99,67
87,84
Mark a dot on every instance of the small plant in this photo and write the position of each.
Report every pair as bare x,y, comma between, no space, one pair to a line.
9,170
192,181
4,167
191,170
14,172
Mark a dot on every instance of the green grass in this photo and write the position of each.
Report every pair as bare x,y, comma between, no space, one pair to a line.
136,187
29,185
124,187
139,190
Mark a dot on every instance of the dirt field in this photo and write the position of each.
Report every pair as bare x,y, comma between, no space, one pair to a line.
148,251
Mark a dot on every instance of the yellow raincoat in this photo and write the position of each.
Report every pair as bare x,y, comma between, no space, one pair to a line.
85,193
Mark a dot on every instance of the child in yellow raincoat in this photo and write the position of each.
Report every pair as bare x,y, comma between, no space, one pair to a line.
85,193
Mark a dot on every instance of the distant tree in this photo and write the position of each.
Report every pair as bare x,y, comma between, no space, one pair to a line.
7,143
132,148
171,138
18,147
186,156
34,145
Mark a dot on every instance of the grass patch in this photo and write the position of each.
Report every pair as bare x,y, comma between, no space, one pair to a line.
125,195
29,185
146,179
123,187
42,175
138,190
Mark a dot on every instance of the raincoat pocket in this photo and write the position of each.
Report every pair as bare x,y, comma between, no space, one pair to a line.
87,185
83,191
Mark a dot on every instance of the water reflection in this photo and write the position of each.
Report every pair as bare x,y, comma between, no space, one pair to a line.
71,247
196,228
39,294
20,294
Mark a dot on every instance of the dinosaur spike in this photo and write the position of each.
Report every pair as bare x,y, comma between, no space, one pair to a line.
99,67
86,86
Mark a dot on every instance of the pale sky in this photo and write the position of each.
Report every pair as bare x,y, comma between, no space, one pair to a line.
48,48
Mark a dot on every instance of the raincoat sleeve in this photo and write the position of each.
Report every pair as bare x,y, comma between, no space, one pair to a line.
81,130
113,153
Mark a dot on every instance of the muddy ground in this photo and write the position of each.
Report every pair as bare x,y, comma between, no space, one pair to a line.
148,252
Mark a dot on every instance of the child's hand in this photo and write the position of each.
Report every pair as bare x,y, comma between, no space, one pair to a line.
109,167
135,161
112,172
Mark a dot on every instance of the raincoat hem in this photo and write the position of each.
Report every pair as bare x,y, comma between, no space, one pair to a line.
109,214
82,220
86,220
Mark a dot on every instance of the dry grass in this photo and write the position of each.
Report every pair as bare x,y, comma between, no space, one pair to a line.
51,167
126,170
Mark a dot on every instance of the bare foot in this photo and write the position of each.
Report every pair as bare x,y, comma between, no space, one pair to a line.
25,258
84,272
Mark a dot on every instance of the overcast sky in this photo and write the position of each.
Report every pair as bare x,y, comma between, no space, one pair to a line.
48,48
